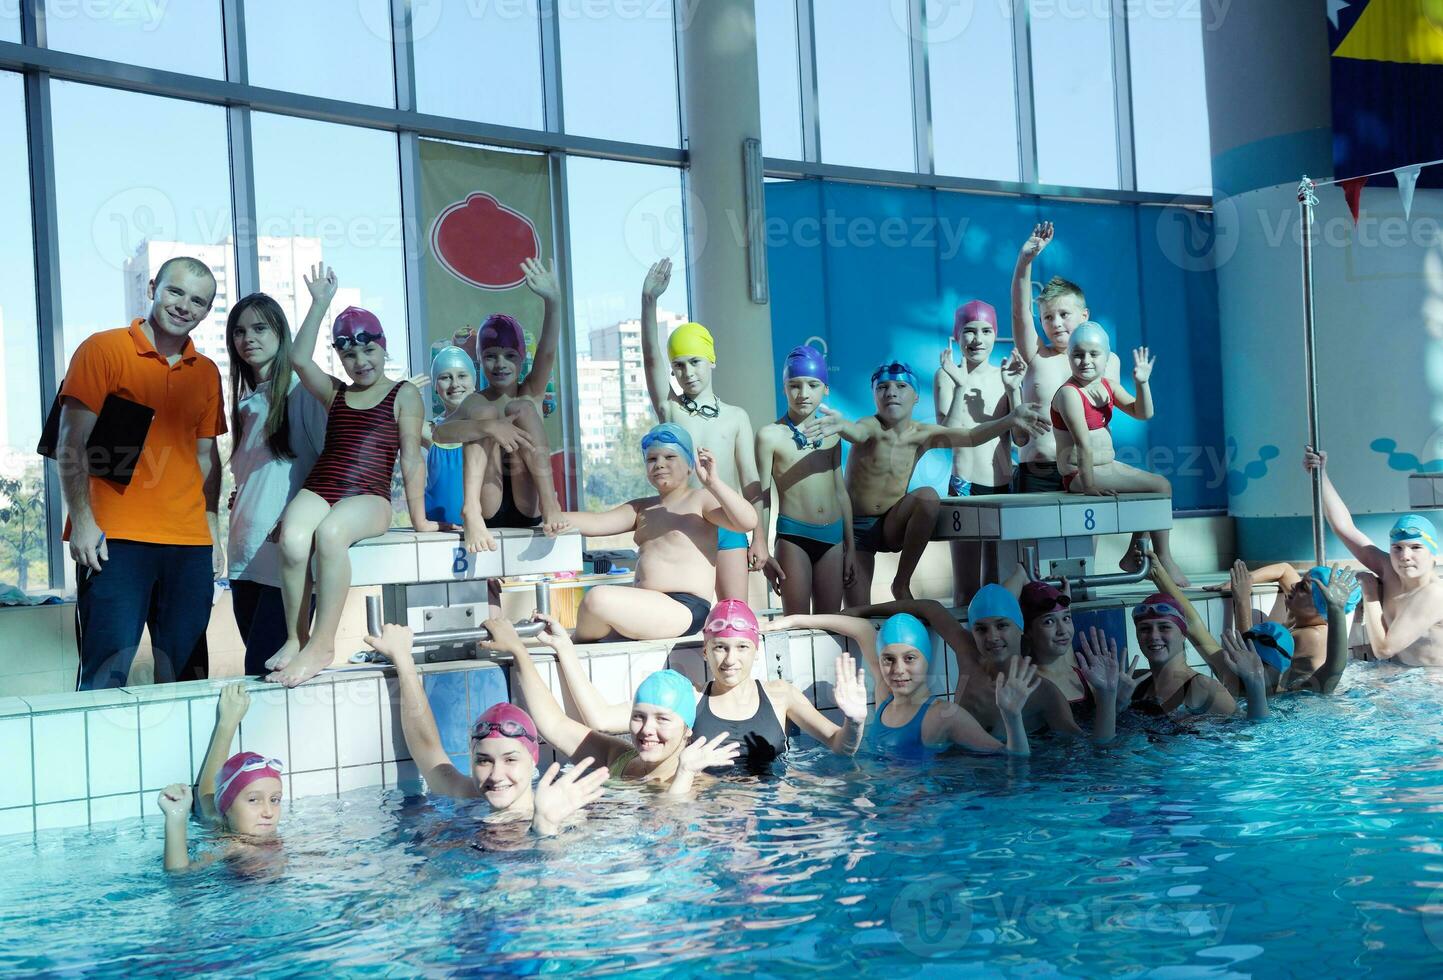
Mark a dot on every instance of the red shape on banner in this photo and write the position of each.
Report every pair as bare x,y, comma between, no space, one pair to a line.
482,242
1353,191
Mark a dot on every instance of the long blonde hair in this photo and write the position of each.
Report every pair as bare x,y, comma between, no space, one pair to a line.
243,380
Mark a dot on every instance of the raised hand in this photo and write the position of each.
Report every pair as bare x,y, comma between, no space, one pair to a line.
706,468
234,702
658,277
559,796
824,423
175,800
394,643
1240,581
322,284
1314,459
948,360
1099,662
1013,692
1242,659
1142,363
850,689
1040,239
1014,371
701,754
1031,416
422,381
541,279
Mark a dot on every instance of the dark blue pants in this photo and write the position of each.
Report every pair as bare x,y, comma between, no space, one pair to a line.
165,587
261,617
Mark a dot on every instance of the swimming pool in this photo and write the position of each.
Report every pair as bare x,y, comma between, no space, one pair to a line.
1309,844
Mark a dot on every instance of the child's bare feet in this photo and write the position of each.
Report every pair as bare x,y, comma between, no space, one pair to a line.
1132,558
901,591
312,659
1178,577
284,655
551,512
477,536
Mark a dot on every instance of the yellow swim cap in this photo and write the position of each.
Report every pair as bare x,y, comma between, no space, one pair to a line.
691,340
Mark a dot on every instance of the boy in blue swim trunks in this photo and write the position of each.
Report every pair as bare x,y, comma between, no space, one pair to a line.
886,447
814,527
724,430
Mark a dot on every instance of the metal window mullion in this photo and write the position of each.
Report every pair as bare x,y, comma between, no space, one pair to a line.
807,80
247,278
32,24
569,402
921,87
1023,85
403,55
551,76
408,148
1122,97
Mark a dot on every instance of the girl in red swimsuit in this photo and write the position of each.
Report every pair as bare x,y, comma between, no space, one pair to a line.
347,496
1081,414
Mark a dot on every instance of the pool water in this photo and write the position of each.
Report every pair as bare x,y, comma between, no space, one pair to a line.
1306,845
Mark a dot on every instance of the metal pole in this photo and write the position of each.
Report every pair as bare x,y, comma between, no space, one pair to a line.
1307,201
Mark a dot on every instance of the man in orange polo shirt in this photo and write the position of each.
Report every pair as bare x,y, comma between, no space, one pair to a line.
147,553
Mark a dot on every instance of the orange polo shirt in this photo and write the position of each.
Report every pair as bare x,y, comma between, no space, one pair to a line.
165,501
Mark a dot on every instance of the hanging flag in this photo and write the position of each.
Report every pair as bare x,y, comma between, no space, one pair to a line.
1407,183
1353,191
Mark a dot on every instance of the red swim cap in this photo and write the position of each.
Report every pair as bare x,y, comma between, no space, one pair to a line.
505,720
238,772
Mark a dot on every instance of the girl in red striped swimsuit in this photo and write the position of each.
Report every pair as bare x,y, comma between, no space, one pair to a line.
347,496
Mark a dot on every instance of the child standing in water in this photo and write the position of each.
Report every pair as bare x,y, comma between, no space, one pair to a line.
724,430
347,496
1081,415
968,394
813,558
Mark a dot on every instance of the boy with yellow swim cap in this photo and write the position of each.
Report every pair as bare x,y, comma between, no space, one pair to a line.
723,429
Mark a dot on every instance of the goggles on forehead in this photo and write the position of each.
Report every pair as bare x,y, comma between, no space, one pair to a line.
507,728
346,342
734,623
1156,609
252,765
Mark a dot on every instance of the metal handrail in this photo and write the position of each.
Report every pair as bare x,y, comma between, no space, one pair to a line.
437,639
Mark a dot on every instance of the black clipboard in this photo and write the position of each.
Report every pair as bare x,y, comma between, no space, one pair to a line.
115,444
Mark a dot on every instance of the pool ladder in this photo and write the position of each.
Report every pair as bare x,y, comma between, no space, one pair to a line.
427,645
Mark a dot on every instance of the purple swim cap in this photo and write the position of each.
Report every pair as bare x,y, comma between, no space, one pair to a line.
805,362
973,312
502,330
354,325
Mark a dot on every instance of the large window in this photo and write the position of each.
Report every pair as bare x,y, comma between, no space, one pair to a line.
624,216
9,22
864,87
973,87
181,37
1169,99
479,61
24,555
779,79
332,194
1073,94
618,70
338,49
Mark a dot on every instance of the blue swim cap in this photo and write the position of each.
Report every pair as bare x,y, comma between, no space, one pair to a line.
670,690
895,371
1318,577
1413,527
1274,644
450,358
670,434
805,362
994,602
906,630
1093,332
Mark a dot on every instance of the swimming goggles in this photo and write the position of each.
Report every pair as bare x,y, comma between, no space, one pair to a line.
357,340
1267,639
1155,609
507,728
799,438
734,623
896,371
705,411
251,765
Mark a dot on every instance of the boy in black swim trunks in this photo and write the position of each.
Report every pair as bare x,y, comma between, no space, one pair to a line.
676,541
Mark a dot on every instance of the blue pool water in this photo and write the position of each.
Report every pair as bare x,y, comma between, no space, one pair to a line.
1305,846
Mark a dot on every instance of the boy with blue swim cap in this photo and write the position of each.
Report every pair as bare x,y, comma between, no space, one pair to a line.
688,357
1403,598
676,543
814,544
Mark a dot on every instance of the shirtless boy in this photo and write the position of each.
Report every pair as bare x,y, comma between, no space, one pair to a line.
968,393
1404,617
724,430
887,445
814,527
676,543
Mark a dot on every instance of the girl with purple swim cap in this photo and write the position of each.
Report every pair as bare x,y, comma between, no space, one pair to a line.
505,752
813,554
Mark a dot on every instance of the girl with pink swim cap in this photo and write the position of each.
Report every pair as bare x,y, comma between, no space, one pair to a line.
734,705
505,749
240,795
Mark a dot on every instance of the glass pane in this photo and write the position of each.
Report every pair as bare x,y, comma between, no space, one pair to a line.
1169,99
777,70
618,70
24,539
480,61
974,90
309,210
337,49
624,216
181,37
864,84
1072,92
10,22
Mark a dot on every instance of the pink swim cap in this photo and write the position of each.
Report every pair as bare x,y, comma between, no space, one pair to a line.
1159,605
502,330
354,325
505,720
239,771
732,617
971,313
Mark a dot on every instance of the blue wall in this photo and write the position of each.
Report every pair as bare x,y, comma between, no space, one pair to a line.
875,273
